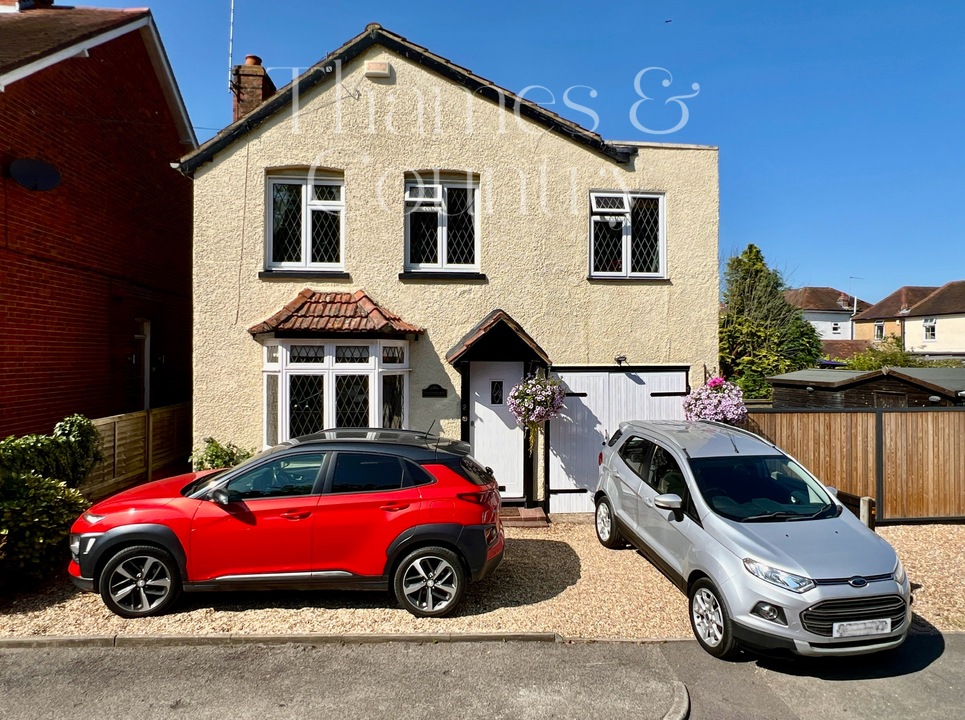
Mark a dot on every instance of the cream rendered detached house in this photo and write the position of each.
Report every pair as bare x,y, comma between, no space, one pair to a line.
393,241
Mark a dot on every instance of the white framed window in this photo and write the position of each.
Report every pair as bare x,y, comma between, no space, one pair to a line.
929,327
305,223
879,329
627,235
442,226
836,328
311,385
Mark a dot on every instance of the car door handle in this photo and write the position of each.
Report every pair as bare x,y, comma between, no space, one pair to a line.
291,515
393,507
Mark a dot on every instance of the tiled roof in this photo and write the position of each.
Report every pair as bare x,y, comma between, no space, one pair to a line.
320,313
844,349
823,298
30,35
375,34
949,299
487,324
891,307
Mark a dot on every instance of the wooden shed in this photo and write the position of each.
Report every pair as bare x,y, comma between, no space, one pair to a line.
888,387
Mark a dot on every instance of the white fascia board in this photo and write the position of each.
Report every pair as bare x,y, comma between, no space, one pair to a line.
68,52
169,85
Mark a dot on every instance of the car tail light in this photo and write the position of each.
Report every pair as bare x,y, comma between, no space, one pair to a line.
480,497
599,460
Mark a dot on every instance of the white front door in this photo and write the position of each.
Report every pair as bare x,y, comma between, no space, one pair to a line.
497,441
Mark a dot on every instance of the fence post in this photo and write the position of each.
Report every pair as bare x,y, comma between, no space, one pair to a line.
866,511
150,444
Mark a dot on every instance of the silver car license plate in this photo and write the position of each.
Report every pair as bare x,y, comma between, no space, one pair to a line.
861,627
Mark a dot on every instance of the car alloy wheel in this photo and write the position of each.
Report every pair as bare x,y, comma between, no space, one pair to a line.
606,527
430,581
140,581
710,621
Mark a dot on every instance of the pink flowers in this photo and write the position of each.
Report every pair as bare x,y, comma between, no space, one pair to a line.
535,400
717,400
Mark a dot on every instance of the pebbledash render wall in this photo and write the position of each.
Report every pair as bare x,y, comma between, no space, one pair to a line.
534,239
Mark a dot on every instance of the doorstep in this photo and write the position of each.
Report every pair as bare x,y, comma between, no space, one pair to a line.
523,517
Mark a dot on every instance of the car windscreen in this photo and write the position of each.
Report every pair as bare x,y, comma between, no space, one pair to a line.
760,489
208,481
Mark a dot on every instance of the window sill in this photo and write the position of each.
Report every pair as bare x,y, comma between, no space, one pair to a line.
440,275
302,274
630,280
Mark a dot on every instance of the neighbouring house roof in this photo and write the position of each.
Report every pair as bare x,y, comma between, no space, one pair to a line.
949,299
313,314
947,381
844,349
31,40
374,34
825,299
897,304
486,326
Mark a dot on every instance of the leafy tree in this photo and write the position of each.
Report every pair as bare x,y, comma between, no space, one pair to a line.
761,333
891,352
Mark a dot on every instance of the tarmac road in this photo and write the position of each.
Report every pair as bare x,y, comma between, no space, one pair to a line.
924,679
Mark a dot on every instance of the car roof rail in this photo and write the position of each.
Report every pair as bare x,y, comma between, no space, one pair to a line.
742,431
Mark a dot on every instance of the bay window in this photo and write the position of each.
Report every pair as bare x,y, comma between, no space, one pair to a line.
311,385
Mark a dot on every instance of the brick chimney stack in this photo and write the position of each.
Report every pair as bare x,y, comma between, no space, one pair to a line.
252,87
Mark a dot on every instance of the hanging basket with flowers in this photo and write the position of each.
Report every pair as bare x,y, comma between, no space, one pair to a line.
535,400
717,400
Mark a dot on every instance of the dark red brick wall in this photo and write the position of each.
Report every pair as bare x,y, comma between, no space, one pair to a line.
82,264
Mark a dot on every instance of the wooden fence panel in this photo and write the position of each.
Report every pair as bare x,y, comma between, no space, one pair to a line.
839,448
924,464
136,444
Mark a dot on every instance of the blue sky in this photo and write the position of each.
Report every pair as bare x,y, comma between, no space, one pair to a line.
841,126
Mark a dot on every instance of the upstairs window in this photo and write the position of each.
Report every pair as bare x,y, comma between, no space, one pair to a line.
929,325
306,224
836,328
627,235
879,330
441,226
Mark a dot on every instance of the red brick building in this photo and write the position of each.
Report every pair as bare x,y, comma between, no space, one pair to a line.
95,271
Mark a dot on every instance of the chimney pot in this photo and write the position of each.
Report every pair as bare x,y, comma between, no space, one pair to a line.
252,60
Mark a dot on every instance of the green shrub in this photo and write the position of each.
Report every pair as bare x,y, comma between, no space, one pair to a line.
215,455
35,518
68,454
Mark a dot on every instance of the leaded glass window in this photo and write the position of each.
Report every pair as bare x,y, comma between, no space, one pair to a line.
307,223
393,401
441,231
626,235
351,353
305,404
306,353
393,355
352,400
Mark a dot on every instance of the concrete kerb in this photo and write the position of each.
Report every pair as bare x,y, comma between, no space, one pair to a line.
52,641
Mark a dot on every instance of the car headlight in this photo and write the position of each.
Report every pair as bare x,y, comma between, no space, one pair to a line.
781,578
900,575
92,518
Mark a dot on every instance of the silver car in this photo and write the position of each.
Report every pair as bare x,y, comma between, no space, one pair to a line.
767,555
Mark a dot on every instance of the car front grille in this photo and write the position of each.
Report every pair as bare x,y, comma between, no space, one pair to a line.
820,618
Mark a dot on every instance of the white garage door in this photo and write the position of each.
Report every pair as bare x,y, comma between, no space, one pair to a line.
596,403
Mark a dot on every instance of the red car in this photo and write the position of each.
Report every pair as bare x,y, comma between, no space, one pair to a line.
360,509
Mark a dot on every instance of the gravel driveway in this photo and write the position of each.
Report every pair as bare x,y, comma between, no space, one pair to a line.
555,579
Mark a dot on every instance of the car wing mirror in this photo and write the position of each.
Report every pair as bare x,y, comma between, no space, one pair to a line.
668,501
219,497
